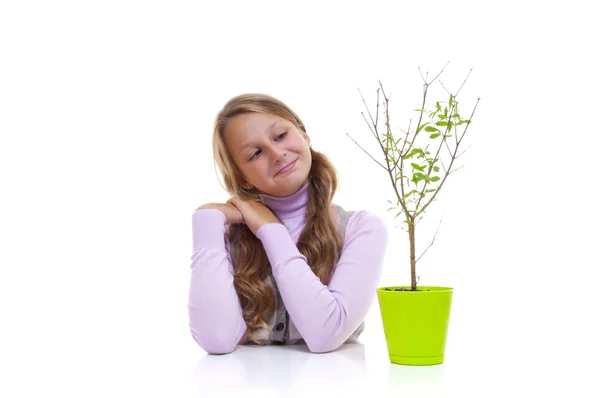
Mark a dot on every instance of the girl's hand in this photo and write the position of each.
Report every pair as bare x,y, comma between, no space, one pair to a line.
254,213
232,214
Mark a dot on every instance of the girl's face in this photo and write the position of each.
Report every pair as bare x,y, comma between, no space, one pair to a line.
272,154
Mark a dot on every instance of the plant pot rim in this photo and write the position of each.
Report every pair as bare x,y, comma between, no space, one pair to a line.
424,289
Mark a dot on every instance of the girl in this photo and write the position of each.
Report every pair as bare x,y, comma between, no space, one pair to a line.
279,263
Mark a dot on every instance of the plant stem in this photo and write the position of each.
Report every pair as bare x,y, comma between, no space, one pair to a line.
413,262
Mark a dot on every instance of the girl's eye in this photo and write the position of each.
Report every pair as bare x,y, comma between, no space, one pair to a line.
255,154
282,135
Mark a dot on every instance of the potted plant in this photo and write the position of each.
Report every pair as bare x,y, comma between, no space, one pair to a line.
415,319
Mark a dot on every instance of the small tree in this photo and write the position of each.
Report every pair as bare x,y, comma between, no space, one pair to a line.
416,176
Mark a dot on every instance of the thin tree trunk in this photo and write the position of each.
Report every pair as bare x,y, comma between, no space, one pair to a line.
413,262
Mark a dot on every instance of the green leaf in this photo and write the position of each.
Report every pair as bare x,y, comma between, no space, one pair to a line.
455,116
414,152
421,127
463,121
418,177
435,179
440,123
431,129
436,135
408,194
441,117
436,168
416,166
420,110
430,190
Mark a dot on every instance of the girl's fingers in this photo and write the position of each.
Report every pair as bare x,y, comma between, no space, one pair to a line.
237,203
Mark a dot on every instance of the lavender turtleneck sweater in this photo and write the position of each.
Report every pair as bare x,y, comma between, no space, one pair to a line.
325,316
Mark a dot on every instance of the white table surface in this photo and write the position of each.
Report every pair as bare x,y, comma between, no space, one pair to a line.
531,351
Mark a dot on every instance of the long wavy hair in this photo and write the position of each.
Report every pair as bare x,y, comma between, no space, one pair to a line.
319,240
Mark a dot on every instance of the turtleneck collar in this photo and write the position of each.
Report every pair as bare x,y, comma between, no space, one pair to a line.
290,206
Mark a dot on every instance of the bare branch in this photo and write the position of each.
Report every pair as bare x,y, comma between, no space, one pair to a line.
447,147
445,87
431,244
461,86
377,116
384,96
367,152
424,80
444,167
459,155
439,73
456,170
470,120
361,96
366,121
375,133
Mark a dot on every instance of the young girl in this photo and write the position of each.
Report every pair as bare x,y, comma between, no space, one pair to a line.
279,263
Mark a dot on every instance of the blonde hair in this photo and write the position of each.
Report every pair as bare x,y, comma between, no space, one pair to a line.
319,241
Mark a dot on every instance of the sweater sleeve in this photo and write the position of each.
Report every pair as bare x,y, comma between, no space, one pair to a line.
326,316
215,315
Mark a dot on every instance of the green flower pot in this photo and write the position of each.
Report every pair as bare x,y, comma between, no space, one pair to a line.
415,323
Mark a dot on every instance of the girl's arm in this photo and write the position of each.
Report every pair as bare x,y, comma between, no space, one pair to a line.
326,316
215,314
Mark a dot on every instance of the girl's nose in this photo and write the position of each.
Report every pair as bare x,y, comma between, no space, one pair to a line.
280,155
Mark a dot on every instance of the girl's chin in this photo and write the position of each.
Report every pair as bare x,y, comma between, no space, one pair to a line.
286,188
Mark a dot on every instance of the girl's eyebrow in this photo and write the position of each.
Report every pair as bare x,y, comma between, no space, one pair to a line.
246,145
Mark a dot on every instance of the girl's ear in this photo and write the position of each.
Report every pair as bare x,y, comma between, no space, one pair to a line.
244,184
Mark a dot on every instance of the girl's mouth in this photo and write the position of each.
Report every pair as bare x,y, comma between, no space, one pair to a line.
287,168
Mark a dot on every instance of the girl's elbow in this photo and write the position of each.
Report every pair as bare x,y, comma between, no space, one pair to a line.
219,350
214,345
322,346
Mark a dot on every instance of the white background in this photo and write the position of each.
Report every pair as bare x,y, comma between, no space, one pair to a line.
106,112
